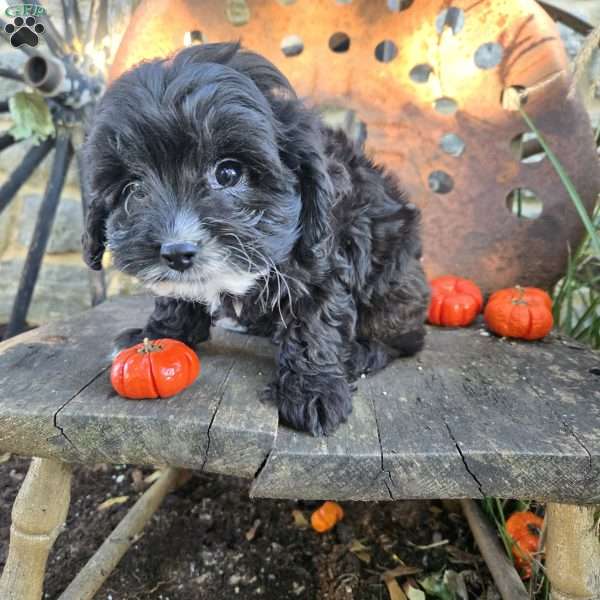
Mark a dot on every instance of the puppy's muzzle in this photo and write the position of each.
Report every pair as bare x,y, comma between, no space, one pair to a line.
178,256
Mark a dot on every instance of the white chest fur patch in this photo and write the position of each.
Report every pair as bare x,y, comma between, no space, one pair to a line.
230,325
229,281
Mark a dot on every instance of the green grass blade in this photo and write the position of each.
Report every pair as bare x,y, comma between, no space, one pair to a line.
579,329
568,183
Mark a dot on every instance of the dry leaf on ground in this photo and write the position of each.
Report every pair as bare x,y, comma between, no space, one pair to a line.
360,551
401,571
138,480
395,591
112,502
251,533
299,519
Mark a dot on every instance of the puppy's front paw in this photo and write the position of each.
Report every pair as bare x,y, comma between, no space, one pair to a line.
126,339
313,403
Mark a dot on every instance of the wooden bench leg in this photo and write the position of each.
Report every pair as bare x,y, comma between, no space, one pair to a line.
38,516
572,552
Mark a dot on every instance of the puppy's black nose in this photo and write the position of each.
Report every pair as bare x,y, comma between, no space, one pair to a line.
178,255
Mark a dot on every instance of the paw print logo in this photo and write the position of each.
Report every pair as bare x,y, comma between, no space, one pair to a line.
24,31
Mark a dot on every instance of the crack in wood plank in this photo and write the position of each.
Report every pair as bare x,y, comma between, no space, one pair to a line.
267,456
578,439
464,458
568,427
220,395
64,404
435,376
387,480
263,464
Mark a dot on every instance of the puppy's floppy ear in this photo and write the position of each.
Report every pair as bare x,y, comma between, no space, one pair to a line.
317,198
94,234
303,152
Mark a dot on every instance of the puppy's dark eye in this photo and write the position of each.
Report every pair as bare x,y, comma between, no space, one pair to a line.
228,173
133,190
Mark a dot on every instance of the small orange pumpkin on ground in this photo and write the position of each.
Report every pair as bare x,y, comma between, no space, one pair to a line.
524,529
519,312
455,302
154,369
326,516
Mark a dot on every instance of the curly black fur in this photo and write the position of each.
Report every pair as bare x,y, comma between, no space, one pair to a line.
315,246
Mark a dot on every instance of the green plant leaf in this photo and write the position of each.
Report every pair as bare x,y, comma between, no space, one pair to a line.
456,584
436,586
31,116
586,318
415,594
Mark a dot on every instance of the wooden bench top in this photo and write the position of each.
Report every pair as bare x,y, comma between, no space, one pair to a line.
472,415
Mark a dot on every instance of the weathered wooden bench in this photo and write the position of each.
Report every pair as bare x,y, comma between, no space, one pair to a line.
472,415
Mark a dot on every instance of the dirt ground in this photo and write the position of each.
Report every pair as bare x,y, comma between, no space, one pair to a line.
210,541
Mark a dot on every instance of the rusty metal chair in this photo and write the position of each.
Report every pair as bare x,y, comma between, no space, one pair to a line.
426,77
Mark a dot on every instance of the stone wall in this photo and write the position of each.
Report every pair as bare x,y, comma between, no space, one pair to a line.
62,288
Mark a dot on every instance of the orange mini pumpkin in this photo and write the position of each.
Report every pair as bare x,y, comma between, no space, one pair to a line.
154,369
519,312
455,302
326,516
524,529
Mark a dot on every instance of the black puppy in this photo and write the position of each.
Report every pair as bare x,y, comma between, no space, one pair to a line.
222,193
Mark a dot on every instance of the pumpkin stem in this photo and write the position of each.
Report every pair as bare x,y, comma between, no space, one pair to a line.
521,298
149,346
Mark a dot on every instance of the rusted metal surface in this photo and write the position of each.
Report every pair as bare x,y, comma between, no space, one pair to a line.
465,57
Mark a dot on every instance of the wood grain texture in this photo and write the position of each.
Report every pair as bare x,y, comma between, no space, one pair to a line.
175,431
344,465
57,399
38,517
572,551
104,427
43,369
472,415
243,430
484,392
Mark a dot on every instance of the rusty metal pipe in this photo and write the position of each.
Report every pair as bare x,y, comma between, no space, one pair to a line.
45,74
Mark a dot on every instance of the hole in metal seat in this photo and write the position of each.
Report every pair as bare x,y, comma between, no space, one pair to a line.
340,117
489,55
420,73
386,51
399,5
452,144
339,42
292,45
524,203
440,182
526,148
237,12
192,37
445,105
452,18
